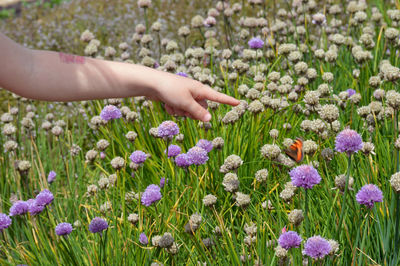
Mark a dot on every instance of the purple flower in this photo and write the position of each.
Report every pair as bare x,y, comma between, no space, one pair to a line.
289,240
368,195
51,177
5,221
182,74
256,43
351,92
45,197
34,208
19,208
102,155
348,141
317,247
63,229
98,225
205,144
143,239
151,194
182,160
168,129
138,157
305,176
110,112
173,150
163,181
197,155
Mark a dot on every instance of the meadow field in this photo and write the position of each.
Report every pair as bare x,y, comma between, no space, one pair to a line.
304,171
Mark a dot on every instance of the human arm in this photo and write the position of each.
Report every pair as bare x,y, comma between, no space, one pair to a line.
52,76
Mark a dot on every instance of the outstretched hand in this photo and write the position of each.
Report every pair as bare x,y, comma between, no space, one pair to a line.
187,97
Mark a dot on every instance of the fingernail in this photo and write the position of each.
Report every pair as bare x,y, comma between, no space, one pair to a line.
207,117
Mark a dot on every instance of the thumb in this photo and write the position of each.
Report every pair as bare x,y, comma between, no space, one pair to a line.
198,112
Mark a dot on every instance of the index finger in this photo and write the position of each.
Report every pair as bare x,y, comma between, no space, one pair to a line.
216,96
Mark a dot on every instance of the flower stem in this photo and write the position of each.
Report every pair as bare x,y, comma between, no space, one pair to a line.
396,239
339,227
145,20
363,241
306,213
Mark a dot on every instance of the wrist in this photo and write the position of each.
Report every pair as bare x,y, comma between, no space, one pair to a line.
145,81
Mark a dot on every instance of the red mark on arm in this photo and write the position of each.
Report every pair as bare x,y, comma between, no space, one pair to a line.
71,59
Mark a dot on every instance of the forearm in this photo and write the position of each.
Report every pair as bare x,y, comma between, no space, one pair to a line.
61,77
52,76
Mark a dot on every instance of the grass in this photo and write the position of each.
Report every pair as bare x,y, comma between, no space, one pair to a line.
366,236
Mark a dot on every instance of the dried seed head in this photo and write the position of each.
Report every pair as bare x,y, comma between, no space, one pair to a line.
261,175
91,155
166,241
310,147
395,182
231,163
270,151
118,163
296,217
231,182
242,200
133,218
218,143
327,154
340,182
103,183
368,148
209,200
280,252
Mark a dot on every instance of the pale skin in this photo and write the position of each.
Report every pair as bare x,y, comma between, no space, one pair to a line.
53,76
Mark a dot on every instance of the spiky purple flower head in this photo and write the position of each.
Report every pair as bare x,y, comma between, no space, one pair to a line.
5,221
63,229
98,225
289,240
51,177
305,176
151,194
34,208
45,197
351,92
138,157
173,150
19,208
110,112
317,247
205,144
348,141
256,43
182,74
368,195
163,180
197,155
143,239
182,160
168,129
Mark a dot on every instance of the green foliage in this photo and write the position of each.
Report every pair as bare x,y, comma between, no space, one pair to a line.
366,237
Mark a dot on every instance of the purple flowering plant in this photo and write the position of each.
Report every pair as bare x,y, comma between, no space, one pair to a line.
110,112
